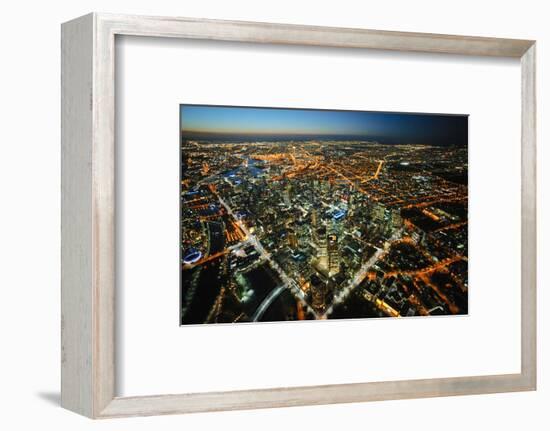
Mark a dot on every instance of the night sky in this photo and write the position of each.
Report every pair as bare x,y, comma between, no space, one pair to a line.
386,127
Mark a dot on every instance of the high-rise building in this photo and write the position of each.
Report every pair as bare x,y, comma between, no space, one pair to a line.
378,212
286,195
322,252
292,239
314,218
333,254
318,291
321,241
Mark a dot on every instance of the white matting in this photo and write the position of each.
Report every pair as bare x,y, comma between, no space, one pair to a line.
155,355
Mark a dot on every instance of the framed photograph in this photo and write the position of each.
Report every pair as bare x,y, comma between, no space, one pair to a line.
265,215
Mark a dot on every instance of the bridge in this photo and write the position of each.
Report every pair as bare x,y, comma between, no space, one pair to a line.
269,299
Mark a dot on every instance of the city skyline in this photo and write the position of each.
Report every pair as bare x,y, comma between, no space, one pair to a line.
301,226
390,127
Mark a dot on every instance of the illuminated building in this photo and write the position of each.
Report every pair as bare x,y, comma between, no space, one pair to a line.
321,241
314,218
333,255
318,292
378,212
292,239
286,195
351,205
322,252
396,219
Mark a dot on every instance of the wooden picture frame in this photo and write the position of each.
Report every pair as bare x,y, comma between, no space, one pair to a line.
88,215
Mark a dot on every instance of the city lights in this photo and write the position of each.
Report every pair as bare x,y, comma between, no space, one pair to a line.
316,226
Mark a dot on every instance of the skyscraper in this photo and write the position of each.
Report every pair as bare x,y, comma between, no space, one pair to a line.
378,212
318,291
333,254
322,252
321,241
314,218
286,195
292,239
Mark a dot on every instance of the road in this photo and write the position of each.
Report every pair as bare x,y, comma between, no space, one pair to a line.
293,286
362,273
288,282
211,257
380,164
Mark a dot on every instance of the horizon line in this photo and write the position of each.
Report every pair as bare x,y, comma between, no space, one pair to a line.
270,133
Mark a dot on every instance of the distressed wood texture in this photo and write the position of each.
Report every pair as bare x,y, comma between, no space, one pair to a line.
313,395
76,216
88,214
528,218
242,31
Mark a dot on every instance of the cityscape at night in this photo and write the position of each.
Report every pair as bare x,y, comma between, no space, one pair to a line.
301,214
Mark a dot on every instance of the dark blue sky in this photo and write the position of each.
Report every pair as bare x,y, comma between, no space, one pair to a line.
433,129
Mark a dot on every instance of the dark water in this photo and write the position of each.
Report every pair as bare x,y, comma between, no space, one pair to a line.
283,308
262,281
209,282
